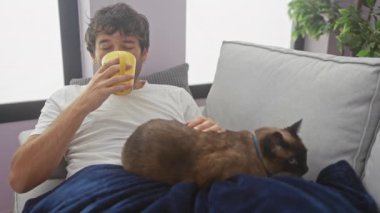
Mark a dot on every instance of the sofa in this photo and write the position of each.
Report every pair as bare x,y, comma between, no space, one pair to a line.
337,98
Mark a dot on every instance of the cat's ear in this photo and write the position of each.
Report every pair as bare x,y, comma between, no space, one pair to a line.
294,128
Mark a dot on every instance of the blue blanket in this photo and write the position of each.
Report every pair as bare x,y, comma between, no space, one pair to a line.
108,188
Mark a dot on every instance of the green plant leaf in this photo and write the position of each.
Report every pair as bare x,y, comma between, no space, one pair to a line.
363,53
369,3
355,29
344,12
312,16
295,35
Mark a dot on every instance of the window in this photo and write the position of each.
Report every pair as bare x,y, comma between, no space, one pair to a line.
40,53
31,61
209,22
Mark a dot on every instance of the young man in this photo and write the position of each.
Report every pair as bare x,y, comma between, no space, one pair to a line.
88,125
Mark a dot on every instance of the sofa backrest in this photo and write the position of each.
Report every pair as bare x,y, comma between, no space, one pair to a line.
337,98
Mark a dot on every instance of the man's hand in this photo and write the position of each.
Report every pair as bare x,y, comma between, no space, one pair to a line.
103,84
205,125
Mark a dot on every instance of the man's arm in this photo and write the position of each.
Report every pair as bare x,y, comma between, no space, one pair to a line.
36,159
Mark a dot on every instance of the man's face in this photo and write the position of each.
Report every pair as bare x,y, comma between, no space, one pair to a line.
119,42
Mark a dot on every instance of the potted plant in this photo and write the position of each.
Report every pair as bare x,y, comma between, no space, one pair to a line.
356,27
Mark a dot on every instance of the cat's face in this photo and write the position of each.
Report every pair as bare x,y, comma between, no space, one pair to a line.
283,150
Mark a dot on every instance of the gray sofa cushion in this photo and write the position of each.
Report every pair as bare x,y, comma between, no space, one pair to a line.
176,76
372,171
337,98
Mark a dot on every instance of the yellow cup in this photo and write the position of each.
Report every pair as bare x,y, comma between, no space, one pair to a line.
124,59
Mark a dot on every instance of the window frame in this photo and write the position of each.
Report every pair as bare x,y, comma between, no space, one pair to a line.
71,56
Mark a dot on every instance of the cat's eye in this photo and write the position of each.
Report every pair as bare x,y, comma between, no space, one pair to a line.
292,161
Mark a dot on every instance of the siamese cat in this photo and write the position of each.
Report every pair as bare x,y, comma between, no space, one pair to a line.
170,152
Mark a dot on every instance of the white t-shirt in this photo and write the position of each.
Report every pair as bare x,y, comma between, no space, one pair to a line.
100,138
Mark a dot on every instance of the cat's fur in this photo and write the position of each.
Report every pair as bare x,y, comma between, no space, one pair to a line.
170,152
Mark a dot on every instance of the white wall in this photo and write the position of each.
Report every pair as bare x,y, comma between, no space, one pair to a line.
209,22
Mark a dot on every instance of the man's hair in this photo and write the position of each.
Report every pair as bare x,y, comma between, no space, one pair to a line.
118,17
